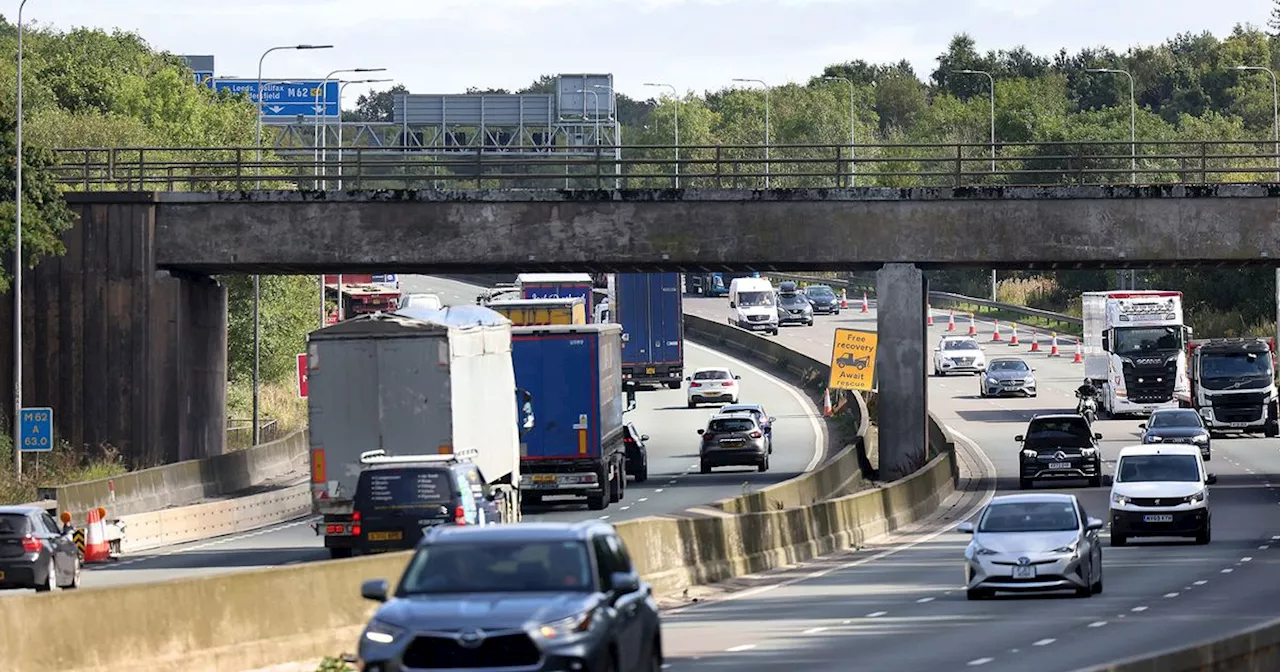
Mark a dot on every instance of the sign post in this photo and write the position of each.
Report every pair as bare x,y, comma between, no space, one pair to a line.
302,375
36,430
853,360
287,100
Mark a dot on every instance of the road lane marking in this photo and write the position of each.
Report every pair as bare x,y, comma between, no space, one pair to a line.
979,661
1045,642
814,631
876,614
923,600
1228,570
741,647
1201,582
1168,595
1097,624
1138,609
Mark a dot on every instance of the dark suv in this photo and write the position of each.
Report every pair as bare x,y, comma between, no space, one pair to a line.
535,597
1059,446
733,440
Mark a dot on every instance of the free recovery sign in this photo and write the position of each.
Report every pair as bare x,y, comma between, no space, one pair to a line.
853,360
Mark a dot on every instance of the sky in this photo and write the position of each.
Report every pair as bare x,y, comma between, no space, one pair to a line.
445,46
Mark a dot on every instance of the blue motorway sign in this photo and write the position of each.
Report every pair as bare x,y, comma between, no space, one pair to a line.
36,430
204,77
286,99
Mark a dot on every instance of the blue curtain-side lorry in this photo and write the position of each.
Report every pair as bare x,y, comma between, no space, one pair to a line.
650,308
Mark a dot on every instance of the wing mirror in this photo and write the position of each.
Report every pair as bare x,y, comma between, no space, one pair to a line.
1094,524
624,583
966,527
1019,438
644,437
1211,479
375,590
702,431
1097,436
688,379
772,419
733,305
737,377
1143,426
1108,480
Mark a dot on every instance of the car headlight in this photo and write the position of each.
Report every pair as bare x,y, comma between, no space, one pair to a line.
1030,454
567,628
1196,498
991,381
1069,548
1119,500
1031,380
1088,452
382,633
982,550
1203,438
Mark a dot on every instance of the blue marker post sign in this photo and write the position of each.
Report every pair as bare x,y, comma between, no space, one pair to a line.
287,99
37,430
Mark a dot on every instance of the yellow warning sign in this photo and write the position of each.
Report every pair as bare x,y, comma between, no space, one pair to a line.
853,360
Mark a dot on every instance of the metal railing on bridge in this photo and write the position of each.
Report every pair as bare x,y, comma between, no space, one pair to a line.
698,167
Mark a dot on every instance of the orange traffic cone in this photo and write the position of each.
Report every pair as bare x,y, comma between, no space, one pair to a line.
1053,346
1079,358
826,403
864,302
928,310
844,298
973,326
996,336
96,548
951,320
1035,341
1014,339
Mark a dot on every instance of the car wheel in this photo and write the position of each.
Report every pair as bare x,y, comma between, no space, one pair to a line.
619,487
642,474
704,468
1097,586
1025,483
1096,481
50,581
1203,537
75,574
1118,539
764,464
977,594
1208,456
598,502
693,404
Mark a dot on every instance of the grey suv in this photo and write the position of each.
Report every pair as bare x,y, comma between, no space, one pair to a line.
534,597
733,440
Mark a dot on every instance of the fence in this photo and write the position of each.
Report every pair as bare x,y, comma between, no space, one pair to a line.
698,167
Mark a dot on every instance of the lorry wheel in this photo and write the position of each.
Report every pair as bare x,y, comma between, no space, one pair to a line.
340,553
596,502
673,385
619,487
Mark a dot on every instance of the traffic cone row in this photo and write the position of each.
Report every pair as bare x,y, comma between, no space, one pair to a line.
995,336
1035,341
1013,340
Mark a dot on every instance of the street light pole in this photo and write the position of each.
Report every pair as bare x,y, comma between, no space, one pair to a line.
17,272
1133,116
257,279
766,125
991,79
321,132
341,89
852,127
675,100
617,133
1275,108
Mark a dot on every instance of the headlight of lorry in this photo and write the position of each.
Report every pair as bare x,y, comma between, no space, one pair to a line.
566,628
1119,500
382,633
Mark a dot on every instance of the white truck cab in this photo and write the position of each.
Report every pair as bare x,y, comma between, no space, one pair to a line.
753,305
1160,490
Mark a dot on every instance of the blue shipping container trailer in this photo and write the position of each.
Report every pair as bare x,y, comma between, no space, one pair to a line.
650,308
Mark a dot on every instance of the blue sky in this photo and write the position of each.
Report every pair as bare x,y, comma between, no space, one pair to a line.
444,46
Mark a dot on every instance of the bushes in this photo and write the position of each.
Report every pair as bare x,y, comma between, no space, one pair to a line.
61,466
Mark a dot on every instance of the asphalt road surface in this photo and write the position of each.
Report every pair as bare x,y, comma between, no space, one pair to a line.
872,610
674,483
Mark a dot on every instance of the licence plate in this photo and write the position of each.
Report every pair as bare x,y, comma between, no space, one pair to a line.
386,536
1059,465
1158,518
544,478
1027,572
650,369
1239,424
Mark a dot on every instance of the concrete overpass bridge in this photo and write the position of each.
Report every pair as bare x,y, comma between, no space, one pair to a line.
130,338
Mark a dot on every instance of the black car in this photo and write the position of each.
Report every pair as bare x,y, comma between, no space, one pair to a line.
823,299
535,597
1177,425
793,306
395,501
637,453
1059,446
35,551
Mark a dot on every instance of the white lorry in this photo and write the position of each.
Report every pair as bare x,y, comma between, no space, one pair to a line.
422,381
1134,350
1233,385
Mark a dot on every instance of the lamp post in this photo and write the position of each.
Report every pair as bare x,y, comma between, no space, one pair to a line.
1275,107
675,100
321,127
257,279
17,272
1133,115
766,124
853,140
617,134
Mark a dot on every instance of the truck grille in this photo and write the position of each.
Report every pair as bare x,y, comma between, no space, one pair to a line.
1150,384
1244,407
757,318
434,653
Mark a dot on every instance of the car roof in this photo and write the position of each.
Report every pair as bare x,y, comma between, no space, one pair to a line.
1160,449
27,510
1166,411
730,408
734,414
1058,416
705,369
947,337
523,532
1033,497
1006,359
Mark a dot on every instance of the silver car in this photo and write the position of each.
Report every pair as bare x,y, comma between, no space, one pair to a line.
1007,375
1033,543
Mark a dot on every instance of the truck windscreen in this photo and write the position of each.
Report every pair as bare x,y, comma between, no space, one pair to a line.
1133,341
1236,370
391,490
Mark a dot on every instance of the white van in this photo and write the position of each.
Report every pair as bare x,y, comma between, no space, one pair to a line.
753,305
1160,490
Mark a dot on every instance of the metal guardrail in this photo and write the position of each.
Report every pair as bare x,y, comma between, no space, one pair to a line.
656,166
948,297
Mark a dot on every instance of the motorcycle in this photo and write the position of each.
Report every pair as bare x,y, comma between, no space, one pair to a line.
1087,406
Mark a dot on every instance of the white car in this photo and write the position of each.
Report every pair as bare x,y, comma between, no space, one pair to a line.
1160,490
958,354
421,300
714,384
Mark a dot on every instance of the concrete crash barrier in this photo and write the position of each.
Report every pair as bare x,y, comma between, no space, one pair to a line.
183,483
1254,650
145,531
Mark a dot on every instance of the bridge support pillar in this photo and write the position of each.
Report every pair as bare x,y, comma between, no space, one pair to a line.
901,300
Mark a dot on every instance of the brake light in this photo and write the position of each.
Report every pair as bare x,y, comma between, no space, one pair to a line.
355,523
728,384
756,434
459,516
695,384
31,545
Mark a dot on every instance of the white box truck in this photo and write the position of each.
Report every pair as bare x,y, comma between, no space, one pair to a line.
1135,350
1233,385
424,381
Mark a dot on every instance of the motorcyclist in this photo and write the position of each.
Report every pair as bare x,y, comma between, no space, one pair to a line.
1085,391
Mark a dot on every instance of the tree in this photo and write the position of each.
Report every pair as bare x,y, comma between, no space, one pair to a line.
45,215
376,105
1274,22
290,309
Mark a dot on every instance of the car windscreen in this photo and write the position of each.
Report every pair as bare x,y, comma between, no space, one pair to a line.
1058,429
724,425
1158,468
1174,419
498,567
792,299
749,299
820,293
959,345
1008,365
388,491
711,375
14,525
1030,517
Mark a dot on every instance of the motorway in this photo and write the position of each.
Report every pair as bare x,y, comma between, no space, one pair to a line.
873,608
674,482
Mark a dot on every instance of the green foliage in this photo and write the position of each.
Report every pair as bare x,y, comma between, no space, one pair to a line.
289,309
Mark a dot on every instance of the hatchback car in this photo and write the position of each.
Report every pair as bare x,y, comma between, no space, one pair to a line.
1160,490
1007,375
1177,425
35,551
712,385
958,354
637,453
733,440
534,597
1059,446
823,299
793,306
762,416
1033,542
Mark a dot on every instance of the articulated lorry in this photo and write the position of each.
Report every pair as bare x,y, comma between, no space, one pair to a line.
426,382
1134,350
574,373
1232,384
650,308
558,286
363,294
526,312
